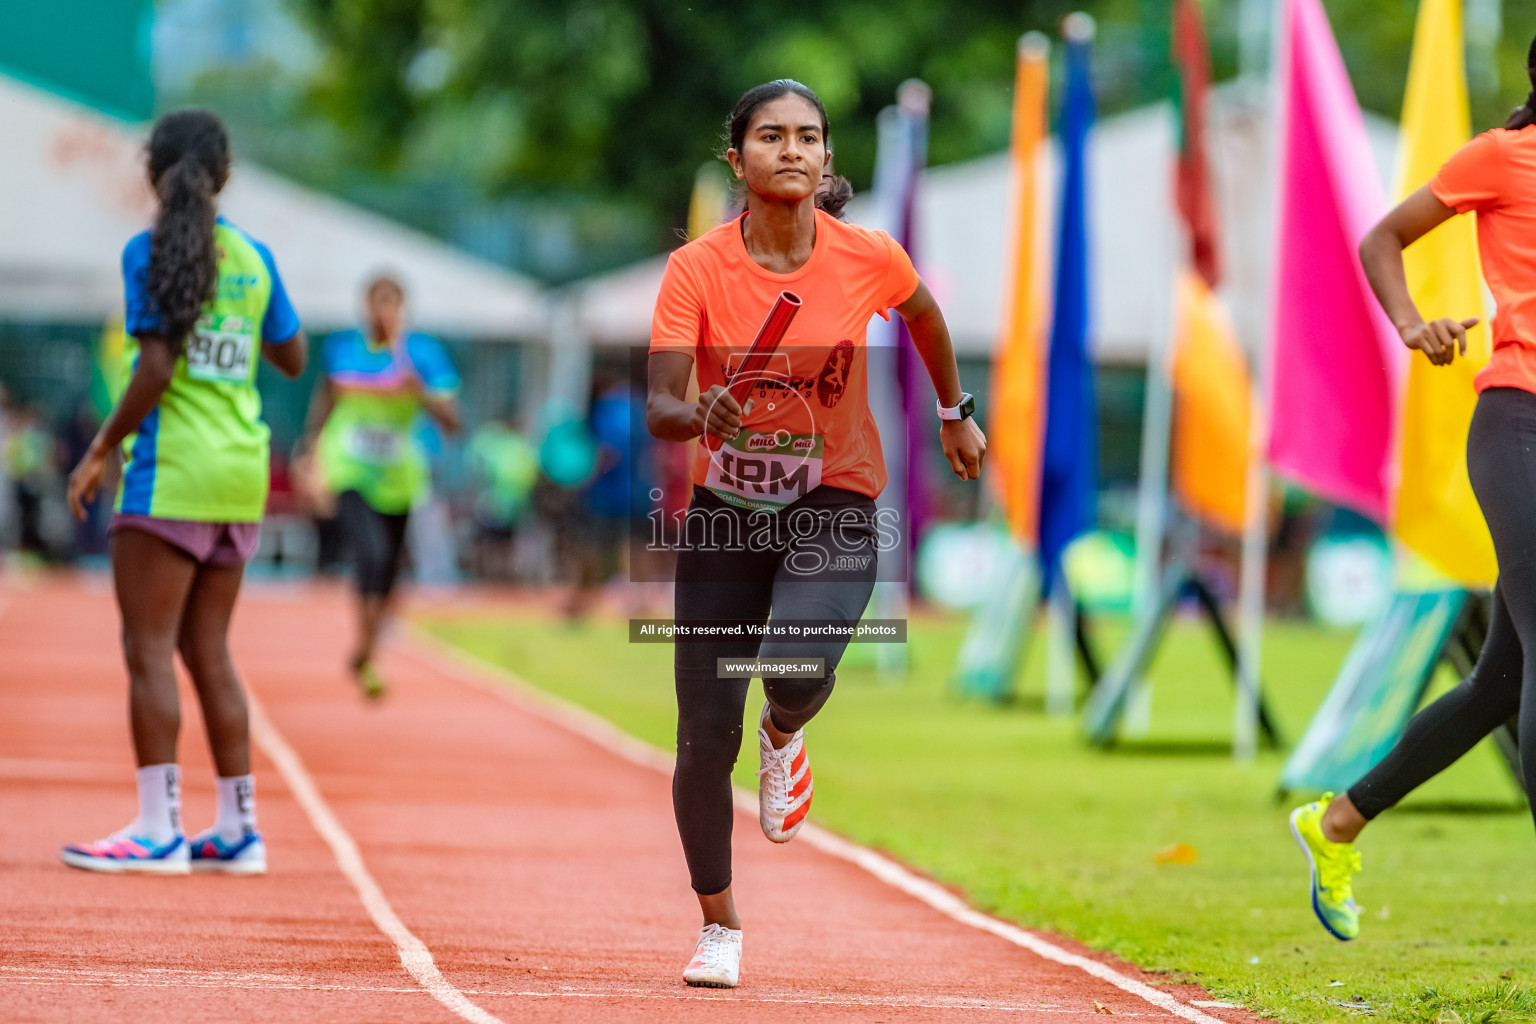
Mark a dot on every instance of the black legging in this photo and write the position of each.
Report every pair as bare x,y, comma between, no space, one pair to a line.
1501,461
817,565
377,540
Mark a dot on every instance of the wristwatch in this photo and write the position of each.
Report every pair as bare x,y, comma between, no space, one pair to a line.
965,410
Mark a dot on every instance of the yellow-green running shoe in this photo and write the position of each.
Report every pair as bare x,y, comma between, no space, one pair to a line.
369,681
1333,865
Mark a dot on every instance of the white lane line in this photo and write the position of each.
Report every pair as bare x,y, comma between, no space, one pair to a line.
414,954
142,978
472,670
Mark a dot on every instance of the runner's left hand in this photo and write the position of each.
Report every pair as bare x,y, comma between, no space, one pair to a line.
85,479
964,446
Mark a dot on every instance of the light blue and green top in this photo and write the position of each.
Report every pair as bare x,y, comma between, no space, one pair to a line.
202,453
367,443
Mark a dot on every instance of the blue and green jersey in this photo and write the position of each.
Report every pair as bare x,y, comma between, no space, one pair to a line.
367,444
202,453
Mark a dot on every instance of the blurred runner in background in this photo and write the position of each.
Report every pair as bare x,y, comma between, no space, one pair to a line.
373,384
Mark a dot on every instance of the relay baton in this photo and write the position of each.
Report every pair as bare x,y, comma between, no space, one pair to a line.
759,354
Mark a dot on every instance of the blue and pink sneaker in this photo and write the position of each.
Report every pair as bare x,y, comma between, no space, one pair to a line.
125,852
245,856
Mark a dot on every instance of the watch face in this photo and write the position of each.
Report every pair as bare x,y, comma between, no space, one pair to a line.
968,407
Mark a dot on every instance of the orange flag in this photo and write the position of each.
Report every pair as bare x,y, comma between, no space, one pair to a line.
1210,374
1015,423
1212,395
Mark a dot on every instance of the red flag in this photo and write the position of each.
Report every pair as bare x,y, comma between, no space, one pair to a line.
1193,176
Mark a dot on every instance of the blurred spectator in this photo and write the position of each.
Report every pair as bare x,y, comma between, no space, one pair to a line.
619,495
505,468
29,462
7,495
567,460
433,547
90,534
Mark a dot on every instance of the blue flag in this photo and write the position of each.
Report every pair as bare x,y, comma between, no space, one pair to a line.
1070,471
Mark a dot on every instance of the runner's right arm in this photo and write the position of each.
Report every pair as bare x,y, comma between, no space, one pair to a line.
669,416
151,376
288,356
320,406
1381,256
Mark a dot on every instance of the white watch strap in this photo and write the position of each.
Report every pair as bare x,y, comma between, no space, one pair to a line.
948,412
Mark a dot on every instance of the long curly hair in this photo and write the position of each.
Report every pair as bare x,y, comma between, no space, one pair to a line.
188,156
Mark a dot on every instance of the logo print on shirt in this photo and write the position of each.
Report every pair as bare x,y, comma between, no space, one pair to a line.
833,380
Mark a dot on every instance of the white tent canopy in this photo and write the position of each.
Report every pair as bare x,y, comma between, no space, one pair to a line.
962,221
74,193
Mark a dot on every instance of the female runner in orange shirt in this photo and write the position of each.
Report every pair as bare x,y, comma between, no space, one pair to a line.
783,518
1493,176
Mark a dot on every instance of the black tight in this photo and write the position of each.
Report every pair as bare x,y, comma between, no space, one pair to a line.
823,572
1501,460
377,540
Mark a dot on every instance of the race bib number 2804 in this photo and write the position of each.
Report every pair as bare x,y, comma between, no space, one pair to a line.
220,349
765,471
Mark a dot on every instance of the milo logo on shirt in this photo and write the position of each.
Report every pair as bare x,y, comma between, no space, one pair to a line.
766,470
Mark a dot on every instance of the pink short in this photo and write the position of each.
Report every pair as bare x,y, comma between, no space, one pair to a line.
218,544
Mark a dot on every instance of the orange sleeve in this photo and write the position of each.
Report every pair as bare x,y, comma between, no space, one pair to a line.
677,323
900,280
1473,177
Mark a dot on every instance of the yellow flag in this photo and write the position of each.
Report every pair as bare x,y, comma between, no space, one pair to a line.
707,205
1015,423
1212,395
1437,515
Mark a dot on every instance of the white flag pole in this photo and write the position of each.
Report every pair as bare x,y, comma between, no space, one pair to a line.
1152,482
1255,559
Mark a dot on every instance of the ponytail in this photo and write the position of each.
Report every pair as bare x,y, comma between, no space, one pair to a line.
1525,115
834,196
188,164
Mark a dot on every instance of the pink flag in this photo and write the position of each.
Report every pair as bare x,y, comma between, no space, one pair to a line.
1338,362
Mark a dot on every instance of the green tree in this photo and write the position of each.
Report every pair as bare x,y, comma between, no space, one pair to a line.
622,99
630,95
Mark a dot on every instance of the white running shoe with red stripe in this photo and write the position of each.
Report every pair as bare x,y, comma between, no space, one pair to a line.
716,962
784,784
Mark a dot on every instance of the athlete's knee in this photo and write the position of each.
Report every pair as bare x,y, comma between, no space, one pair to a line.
148,654
1493,687
207,659
708,747
797,695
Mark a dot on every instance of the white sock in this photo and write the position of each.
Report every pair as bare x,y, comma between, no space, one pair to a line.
237,807
159,802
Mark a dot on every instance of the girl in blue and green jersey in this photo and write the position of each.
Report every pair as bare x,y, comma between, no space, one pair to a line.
374,384
204,305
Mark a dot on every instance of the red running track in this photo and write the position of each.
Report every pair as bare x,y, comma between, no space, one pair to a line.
539,868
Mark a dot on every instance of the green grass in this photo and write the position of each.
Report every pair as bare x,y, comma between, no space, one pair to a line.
1011,807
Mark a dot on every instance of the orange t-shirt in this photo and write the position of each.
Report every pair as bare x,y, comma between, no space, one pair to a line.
1495,175
810,422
